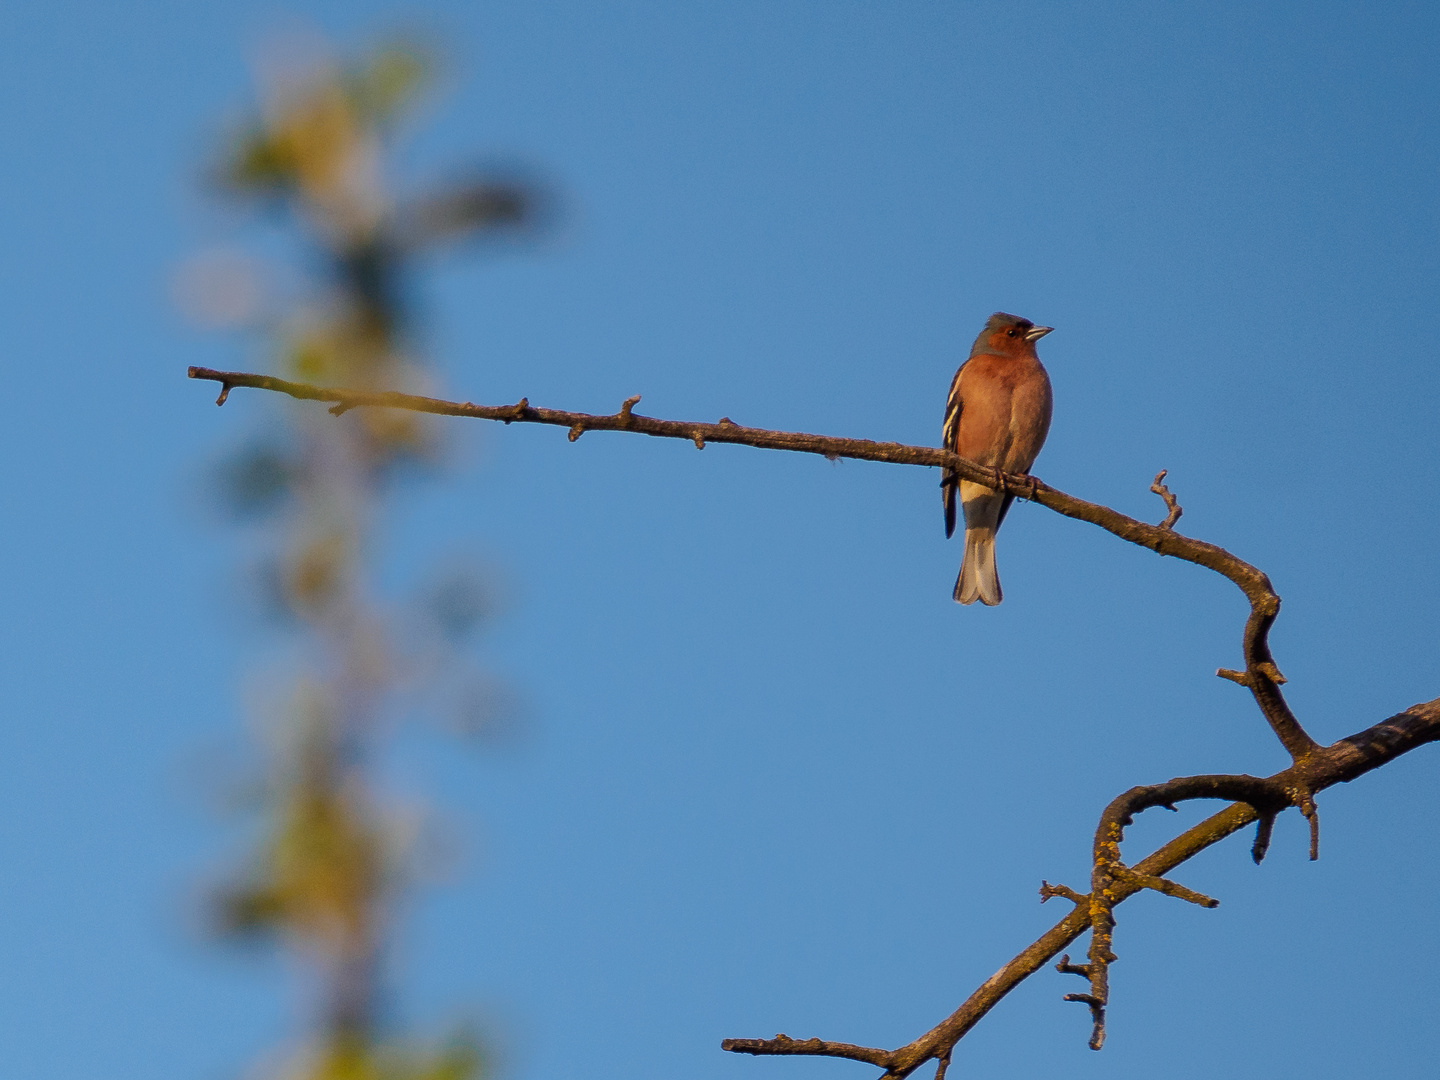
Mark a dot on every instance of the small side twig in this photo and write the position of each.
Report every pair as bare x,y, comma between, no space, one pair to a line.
1047,891
1263,830
1302,800
1167,887
1097,1017
784,1045
1171,503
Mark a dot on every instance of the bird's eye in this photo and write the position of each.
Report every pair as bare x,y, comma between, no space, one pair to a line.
1010,333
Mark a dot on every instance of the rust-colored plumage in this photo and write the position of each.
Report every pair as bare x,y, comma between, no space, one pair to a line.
998,414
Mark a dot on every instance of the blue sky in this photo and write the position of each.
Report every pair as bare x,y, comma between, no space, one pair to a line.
771,778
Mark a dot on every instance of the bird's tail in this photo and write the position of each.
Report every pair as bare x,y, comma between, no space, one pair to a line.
978,579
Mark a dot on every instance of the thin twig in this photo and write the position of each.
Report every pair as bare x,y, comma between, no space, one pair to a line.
1169,888
1172,504
1047,891
1263,830
783,1044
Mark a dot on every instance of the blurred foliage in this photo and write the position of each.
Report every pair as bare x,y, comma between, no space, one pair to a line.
323,862
320,128
357,1059
331,860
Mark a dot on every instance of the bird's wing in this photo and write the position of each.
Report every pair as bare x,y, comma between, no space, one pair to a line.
1030,422
949,438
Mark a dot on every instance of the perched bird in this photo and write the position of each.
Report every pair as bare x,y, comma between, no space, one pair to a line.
998,415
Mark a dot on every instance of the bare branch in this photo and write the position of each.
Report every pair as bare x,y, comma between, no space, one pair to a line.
1109,872
1253,799
1260,671
1340,762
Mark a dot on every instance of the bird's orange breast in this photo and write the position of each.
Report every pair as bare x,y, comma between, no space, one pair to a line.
1005,411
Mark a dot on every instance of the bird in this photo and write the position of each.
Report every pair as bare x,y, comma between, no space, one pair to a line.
997,415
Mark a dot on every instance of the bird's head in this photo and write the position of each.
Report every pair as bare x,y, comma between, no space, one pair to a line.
1009,335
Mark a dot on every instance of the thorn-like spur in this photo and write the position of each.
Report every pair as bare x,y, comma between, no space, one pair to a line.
1263,830
1303,801
1271,672
1244,678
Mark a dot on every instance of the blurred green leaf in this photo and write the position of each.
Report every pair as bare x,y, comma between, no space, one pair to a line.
248,912
259,162
390,81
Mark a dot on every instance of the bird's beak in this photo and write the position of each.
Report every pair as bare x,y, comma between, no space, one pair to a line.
1036,333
